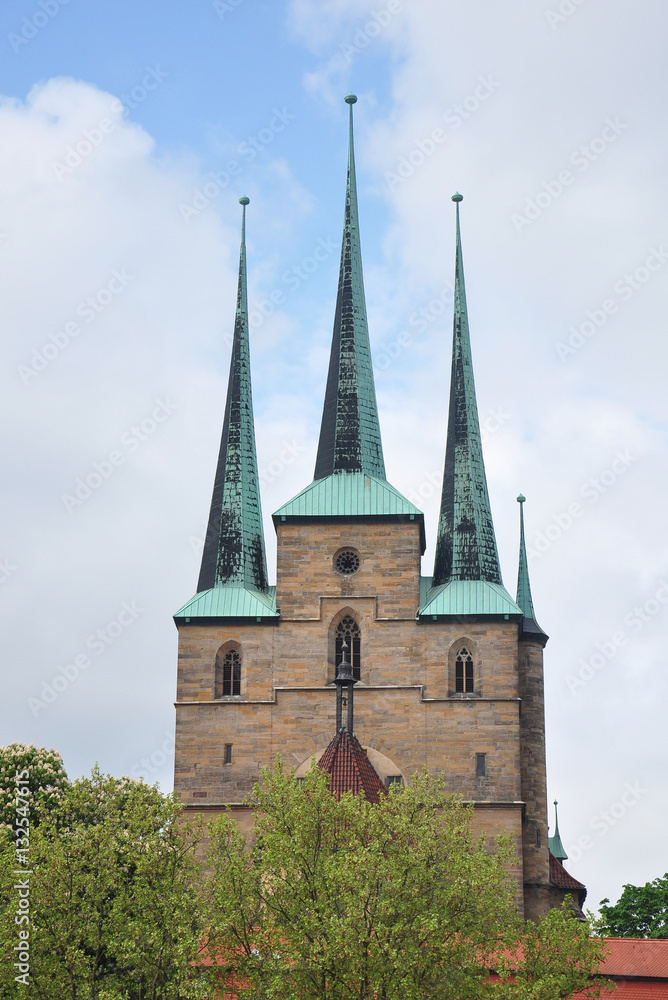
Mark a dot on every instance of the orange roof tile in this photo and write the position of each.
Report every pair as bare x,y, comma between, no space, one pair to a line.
637,957
350,768
561,877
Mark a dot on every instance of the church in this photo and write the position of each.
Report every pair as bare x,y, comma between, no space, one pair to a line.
447,670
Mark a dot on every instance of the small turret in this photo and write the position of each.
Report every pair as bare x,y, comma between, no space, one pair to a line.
530,627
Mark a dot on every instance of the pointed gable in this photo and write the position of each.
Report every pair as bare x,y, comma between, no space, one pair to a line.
350,768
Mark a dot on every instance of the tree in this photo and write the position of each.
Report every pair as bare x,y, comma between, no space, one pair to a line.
113,883
640,911
43,777
349,900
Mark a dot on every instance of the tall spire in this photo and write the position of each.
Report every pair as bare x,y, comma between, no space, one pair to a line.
555,843
234,546
466,546
524,600
350,432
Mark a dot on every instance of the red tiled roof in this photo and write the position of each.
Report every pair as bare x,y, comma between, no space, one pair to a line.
630,990
350,768
637,957
561,877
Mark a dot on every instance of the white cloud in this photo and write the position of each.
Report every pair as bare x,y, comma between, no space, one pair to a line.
590,81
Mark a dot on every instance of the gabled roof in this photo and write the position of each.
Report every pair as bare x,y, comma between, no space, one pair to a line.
561,877
350,494
350,432
638,957
230,603
461,598
466,545
350,769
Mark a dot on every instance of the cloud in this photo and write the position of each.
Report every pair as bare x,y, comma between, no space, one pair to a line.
559,122
112,309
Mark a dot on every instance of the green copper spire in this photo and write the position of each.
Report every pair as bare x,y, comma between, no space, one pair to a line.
530,626
234,552
350,432
466,546
554,843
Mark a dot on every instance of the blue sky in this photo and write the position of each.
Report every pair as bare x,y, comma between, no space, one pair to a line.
550,118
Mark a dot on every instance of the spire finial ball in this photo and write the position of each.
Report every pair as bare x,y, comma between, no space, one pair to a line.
350,99
244,201
521,499
457,197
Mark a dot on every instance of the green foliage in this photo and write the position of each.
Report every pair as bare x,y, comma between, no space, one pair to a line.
640,911
346,900
112,897
45,773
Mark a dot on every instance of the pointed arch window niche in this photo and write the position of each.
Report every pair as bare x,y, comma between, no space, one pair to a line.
464,676
348,631
228,671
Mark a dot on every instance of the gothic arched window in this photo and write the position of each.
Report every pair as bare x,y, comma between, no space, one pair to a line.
348,631
228,672
464,672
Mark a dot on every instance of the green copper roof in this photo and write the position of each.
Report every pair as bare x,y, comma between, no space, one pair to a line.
234,552
228,601
469,598
530,626
350,432
350,494
555,845
465,546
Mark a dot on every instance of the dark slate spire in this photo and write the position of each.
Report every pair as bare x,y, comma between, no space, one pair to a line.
530,627
234,545
466,546
350,432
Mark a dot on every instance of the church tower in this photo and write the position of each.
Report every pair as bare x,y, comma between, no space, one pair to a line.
448,670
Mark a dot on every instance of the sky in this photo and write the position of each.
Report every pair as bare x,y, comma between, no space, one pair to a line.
127,134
